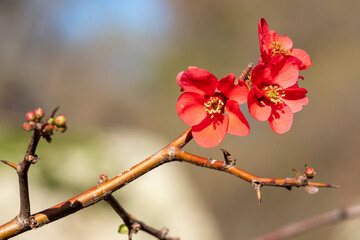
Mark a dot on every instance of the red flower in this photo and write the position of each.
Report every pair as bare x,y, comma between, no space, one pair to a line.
275,95
210,106
272,44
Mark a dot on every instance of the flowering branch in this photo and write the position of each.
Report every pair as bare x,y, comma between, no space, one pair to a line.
172,152
312,223
212,108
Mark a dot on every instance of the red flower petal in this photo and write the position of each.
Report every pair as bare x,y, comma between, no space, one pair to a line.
226,84
238,93
285,41
285,71
264,40
261,73
178,80
281,119
257,110
211,131
295,98
303,57
198,80
238,124
190,108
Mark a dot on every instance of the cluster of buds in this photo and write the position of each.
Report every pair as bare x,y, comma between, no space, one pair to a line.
58,123
46,126
33,118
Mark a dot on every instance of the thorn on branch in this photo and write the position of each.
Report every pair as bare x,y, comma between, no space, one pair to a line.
54,111
10,164
257,186
230,161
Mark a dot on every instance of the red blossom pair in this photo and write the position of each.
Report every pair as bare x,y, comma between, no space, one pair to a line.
275,95
211,106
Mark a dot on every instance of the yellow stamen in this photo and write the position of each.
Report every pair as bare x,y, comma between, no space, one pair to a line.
274,93
278,49
214,105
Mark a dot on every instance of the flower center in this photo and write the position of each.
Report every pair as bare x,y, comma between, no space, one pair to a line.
274,93
279,49
214,105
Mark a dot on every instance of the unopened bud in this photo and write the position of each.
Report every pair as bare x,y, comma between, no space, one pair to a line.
123,229
51,121
103,177
27,126
48,128
39,113
60,120
30,116
309,172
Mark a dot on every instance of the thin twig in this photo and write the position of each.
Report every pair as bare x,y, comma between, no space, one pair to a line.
312,223
135,225
219,165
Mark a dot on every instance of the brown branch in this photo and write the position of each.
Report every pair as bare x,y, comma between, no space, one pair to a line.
22,171
312,223
172,152
219,165
135,225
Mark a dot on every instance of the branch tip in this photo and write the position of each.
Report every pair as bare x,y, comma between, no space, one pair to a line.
54,111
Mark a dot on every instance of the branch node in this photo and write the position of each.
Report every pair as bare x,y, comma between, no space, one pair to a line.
32,158
32,222
163,232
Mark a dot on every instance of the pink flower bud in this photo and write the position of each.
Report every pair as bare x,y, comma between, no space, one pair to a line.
48,128
309,172
30,116
27,126
51,121
39,113
103,178
60,120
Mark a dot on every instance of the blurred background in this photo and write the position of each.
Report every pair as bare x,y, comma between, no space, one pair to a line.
111,67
